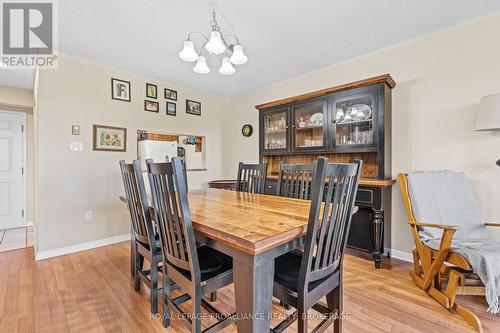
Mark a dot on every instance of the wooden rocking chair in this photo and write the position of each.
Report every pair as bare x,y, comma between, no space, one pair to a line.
434,266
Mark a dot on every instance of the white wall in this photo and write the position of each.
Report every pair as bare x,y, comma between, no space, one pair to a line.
78,92
440,79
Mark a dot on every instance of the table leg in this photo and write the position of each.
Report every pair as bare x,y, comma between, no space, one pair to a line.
378,233
253,286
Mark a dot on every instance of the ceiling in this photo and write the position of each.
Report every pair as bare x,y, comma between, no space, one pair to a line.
282,38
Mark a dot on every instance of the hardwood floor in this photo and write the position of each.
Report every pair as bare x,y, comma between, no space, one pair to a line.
91,291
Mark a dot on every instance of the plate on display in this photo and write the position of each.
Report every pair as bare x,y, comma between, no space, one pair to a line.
360,111
316,119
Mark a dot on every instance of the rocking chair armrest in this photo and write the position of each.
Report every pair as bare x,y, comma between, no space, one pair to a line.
433,225
440,255
492,224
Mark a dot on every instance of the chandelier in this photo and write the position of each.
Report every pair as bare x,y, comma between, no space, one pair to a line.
215,45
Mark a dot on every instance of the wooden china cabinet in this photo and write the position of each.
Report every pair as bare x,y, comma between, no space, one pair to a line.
343,123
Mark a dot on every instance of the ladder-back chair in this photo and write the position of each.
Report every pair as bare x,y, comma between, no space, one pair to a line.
295,180
302,279
144,244
197,271
251,178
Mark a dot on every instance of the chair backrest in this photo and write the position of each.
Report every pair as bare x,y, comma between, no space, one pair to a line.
295,180
170,202
443,197
251,178
329,220
137,202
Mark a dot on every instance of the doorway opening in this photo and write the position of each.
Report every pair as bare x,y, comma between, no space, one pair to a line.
15,231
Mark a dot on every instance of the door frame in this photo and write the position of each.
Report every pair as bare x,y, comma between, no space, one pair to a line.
24,188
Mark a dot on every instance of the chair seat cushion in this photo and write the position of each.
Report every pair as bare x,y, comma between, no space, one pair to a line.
287,270
212,263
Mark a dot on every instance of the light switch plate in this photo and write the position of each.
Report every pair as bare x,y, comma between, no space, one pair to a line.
75,129
75,146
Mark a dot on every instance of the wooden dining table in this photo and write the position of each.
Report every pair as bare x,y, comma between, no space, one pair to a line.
253,229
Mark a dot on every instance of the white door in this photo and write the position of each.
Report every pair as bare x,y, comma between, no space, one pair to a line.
11,169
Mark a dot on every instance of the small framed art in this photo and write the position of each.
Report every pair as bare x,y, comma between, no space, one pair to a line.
151,90
109,138
151,106
170,94
171,109
120,90
193,107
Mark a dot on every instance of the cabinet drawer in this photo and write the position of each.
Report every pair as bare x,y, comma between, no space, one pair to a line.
364,197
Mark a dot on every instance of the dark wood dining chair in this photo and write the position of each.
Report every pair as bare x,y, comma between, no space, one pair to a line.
144,244
302,278
295,180
251,178
198,271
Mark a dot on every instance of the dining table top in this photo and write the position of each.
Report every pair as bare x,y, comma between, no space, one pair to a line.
253,223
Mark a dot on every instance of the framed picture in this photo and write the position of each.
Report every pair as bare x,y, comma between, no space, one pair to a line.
151,90
171,108
151,106
108,138
120,90
170,94
193,107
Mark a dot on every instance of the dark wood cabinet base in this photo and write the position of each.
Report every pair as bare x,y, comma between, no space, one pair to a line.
370,226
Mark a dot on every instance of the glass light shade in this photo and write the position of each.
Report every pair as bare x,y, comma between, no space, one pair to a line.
488,116
215,44
201,66
188,53
238,57
226,68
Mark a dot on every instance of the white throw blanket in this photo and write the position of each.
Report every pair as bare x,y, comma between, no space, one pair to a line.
484,257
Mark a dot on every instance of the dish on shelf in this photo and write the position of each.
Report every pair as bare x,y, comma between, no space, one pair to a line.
360,111
316,119
347,118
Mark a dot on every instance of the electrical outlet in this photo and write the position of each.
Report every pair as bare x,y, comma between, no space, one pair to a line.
87,216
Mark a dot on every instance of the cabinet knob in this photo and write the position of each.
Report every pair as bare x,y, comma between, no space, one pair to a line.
293,126
270,186
286,127
334,121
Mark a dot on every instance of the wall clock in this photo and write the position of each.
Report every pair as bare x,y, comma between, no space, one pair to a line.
247,130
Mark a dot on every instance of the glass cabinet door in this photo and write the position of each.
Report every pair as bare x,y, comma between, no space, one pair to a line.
354,121
309,121
276,130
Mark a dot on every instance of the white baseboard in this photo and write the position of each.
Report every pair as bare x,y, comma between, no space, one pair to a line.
405,256
40,255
